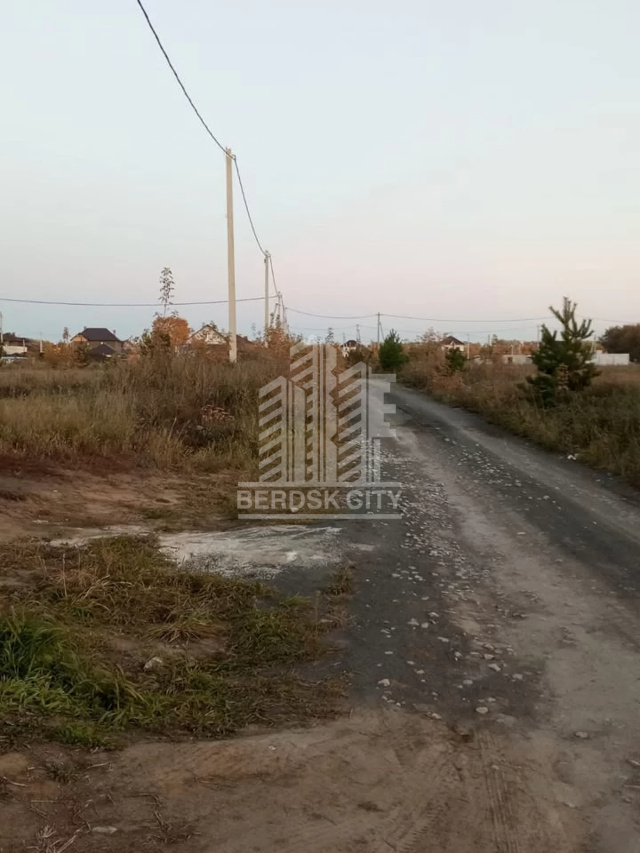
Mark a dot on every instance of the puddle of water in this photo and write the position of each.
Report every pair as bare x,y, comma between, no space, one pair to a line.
262,551
256,551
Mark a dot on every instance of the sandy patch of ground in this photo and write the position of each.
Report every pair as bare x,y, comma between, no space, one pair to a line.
378,781
46,502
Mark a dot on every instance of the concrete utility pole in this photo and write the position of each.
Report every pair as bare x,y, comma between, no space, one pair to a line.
231,262
379,330
266,297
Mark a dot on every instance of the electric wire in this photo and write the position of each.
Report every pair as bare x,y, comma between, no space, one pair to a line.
128,304
246,206
177,76
204,124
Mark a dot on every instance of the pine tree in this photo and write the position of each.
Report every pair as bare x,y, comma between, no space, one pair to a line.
456,360
564,363
391,354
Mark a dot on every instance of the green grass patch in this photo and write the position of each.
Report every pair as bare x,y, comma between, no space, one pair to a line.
112,637
341,582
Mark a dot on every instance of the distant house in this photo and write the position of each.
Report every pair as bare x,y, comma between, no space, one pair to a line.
350,346
130,347
208,335
516,358
14,345
215,344
449,342
100,343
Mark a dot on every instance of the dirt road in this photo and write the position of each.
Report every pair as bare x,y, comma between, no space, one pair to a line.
512,607
495,670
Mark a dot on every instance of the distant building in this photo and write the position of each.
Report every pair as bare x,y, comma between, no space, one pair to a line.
516,358
14,345
610,359
216,344
100,342
349,346
208,335
130,347
449,342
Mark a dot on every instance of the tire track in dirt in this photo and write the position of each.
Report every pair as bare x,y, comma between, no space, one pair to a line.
506,838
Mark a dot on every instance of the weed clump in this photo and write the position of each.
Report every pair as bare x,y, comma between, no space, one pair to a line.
112,636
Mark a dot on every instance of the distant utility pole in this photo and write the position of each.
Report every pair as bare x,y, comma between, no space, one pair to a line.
358,332
468,347
266,297
231,262
379,328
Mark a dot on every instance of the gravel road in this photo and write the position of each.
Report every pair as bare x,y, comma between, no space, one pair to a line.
505,604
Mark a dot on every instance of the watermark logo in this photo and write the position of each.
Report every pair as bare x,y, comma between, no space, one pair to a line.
320,442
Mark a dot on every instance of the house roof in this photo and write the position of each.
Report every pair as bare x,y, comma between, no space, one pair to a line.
208,328
102,349
98,334
451,341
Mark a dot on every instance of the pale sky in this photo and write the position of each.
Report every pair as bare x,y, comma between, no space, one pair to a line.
471,161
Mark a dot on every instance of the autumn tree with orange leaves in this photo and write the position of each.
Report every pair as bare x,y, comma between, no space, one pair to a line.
175,328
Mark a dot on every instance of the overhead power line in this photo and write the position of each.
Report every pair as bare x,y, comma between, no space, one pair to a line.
128,304
424,319
456,320
177,76
246,206
204,124
331,316
273,276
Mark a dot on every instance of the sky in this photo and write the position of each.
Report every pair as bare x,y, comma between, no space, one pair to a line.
467,162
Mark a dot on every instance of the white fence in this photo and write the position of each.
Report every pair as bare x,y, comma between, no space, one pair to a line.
611,359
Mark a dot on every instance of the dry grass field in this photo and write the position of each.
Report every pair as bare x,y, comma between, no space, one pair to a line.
168,412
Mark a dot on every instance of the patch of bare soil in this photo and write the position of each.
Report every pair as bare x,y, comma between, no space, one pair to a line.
378,781
44,502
